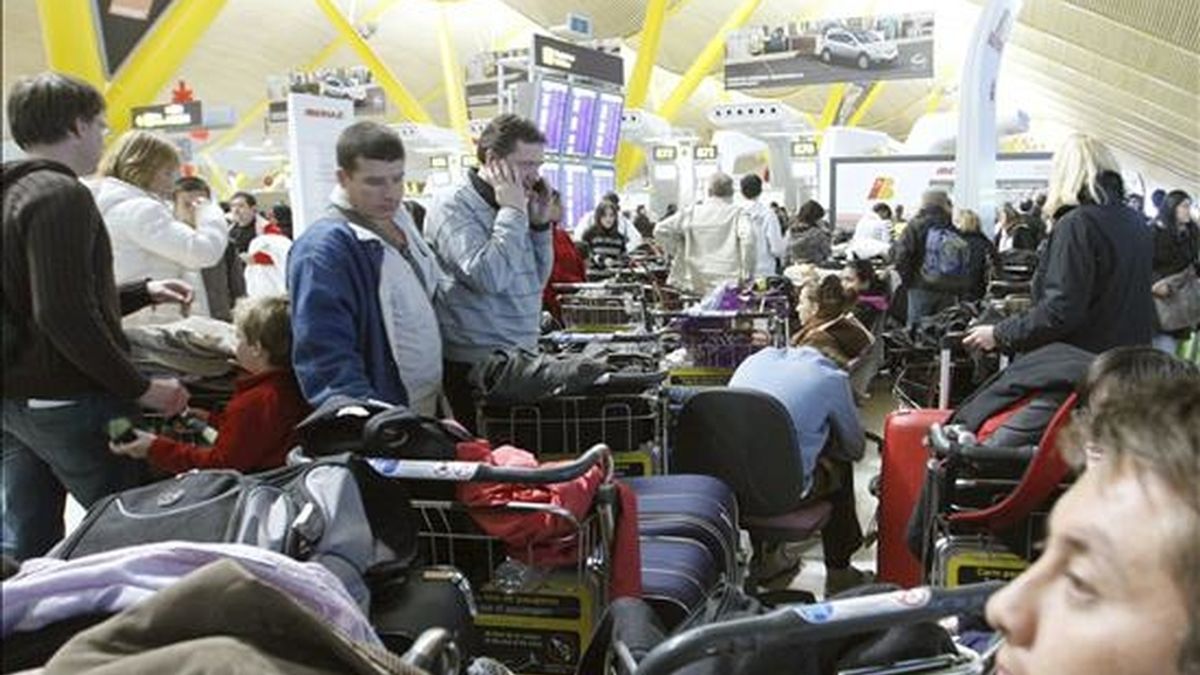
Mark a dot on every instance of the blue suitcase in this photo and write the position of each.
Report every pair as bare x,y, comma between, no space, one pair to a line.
701,508
677,575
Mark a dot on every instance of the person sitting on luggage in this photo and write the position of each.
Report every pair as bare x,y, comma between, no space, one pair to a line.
808,238
861,277
257,428
827,321
1117,589
810,381
603,239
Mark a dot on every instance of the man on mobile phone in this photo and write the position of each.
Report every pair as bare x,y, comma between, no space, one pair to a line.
492,237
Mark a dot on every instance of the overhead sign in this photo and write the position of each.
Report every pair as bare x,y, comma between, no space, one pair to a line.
572,59
665,153
804,148
439,162
123,24
483,74
356,83
852,49
704,153
168,116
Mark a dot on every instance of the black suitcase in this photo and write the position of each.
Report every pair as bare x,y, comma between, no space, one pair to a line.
405,605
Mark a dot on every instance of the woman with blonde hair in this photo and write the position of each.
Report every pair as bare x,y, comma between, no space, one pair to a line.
983,253
1092,285
133,190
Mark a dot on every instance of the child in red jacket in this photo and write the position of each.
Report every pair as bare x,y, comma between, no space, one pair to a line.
257,428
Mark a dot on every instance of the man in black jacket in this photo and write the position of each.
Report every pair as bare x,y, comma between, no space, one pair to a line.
67,371
924,297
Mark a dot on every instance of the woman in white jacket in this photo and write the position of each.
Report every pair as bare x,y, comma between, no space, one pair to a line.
135,177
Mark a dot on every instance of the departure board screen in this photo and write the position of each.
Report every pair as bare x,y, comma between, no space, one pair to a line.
582,126
552,114
576,192
608,126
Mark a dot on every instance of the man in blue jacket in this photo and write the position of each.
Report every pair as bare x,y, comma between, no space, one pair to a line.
362,283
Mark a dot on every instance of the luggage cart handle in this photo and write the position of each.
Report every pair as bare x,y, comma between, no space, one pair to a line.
943,445
478,472
817,622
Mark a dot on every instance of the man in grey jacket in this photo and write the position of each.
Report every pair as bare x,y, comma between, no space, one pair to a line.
492,237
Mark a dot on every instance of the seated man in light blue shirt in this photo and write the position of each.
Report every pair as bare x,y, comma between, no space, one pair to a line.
816,392
817,395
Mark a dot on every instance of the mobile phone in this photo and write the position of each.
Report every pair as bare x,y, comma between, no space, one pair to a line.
120,430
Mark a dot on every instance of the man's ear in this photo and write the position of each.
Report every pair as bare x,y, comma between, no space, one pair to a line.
343,177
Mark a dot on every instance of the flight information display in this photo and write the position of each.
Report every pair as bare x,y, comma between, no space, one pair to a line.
608,126
603,181
551,172
582,133
576,193
552,114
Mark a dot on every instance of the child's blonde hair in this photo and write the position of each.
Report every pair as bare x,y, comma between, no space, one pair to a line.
265,321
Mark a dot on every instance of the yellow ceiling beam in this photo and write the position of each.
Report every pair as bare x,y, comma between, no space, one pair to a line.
708,59
259,109
452,77
70,41
157,58
629,156
409,106
833,101
865,104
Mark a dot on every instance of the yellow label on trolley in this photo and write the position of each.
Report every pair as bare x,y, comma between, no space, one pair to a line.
538,631
625,464
969,567
700,377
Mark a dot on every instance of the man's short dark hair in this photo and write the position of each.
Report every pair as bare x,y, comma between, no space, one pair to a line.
43,109
612,198
502,133
751,186
882,210
192,184
369,140
246,197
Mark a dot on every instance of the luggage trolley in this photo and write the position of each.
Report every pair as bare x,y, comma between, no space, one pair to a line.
533,618
717,341
630,424
602,307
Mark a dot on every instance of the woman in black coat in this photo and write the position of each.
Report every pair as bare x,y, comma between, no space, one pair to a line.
983,253
1092,285
1176,246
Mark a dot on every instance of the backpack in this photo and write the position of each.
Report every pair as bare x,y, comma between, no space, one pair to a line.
946,265
312,511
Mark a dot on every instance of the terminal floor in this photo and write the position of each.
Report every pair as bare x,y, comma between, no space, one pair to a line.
812,574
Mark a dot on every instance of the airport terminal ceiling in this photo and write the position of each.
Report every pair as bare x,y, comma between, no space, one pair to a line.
1125,70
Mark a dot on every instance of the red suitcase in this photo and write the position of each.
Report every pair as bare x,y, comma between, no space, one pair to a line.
901,476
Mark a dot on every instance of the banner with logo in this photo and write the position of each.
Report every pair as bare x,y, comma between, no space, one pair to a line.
854,49
857,183
314,124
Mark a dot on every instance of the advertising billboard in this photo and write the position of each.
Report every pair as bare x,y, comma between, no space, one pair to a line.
857,183
855,49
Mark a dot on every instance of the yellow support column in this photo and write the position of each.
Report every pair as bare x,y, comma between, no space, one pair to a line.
630,156
70,41
409,107
452,77
865,104
157,58
832,102
706,61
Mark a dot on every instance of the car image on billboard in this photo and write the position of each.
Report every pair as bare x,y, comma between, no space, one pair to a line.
886,47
